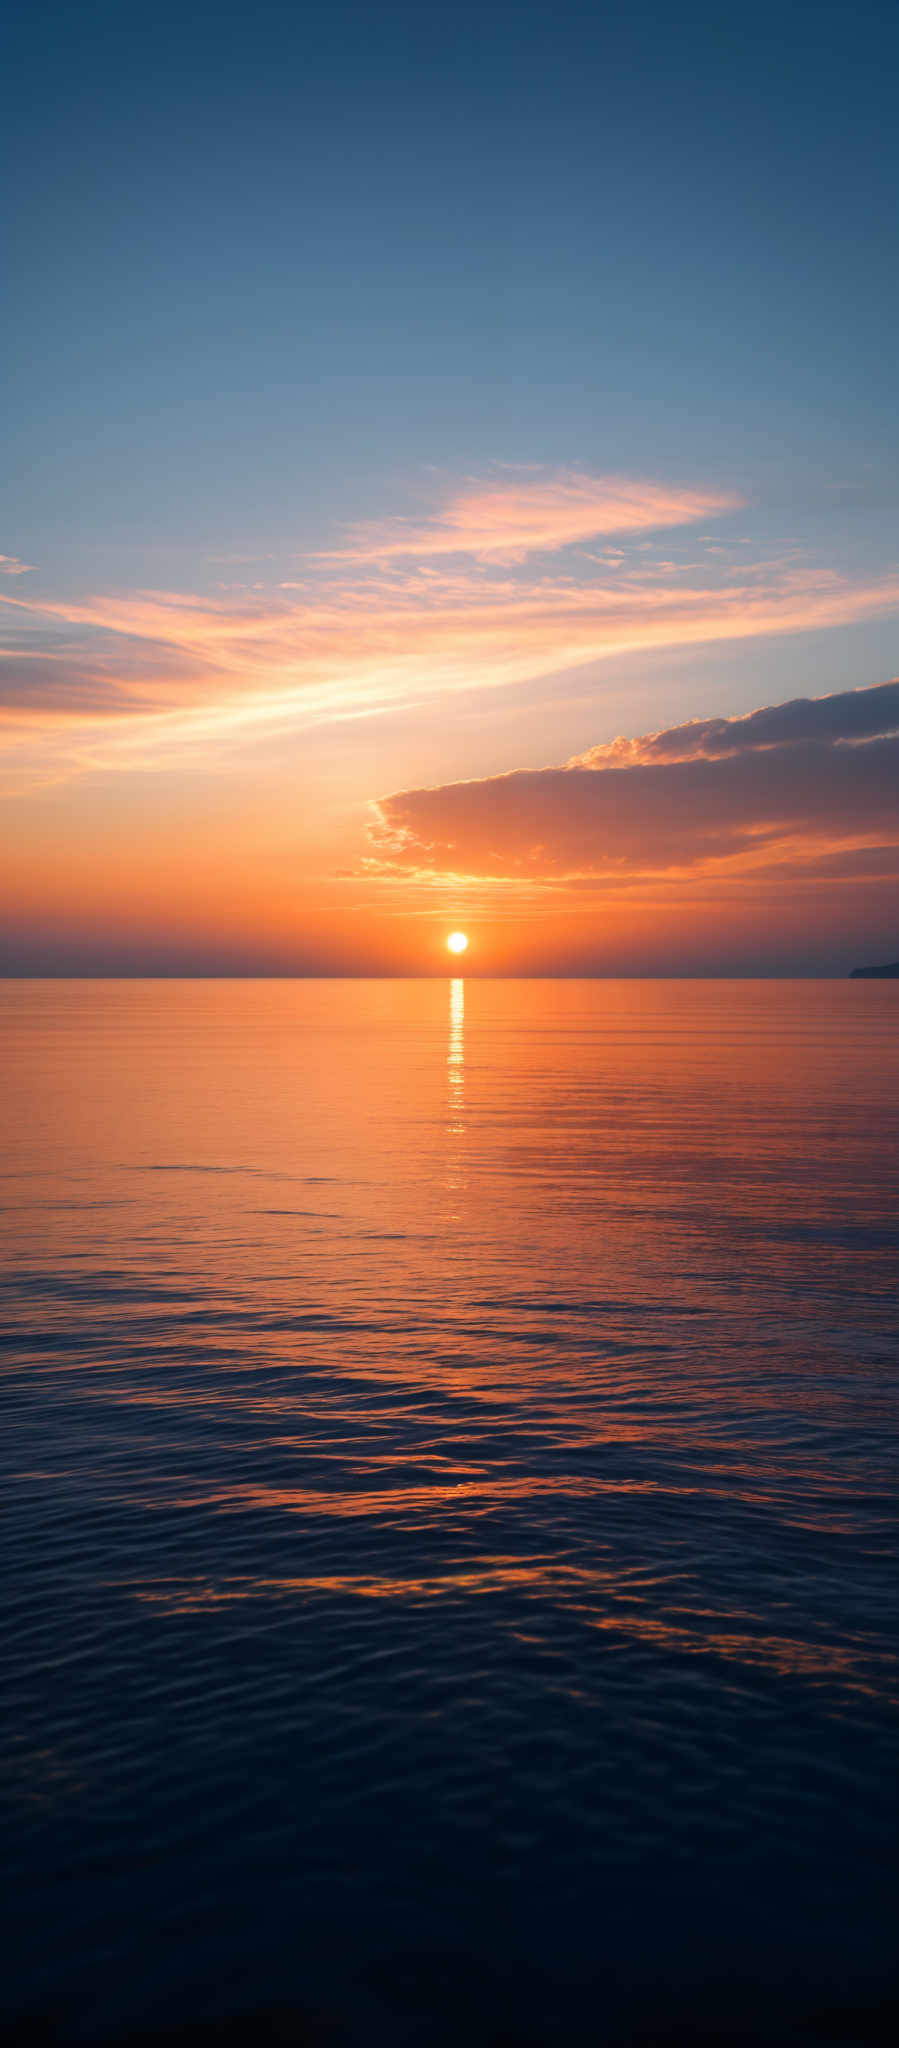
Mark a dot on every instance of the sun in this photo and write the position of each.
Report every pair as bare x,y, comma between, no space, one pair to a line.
458,942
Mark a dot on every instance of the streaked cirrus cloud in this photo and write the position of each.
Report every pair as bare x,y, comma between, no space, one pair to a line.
796,782
348,650
484,593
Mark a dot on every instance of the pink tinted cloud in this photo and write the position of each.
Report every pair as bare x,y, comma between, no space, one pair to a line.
832,780
512,520
11,566
847,715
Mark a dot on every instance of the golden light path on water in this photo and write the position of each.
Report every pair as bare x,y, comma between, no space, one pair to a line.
455,1058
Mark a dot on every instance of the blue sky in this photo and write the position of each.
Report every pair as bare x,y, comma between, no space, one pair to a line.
270,262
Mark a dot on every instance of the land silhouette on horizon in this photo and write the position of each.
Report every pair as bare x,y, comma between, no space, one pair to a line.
888,972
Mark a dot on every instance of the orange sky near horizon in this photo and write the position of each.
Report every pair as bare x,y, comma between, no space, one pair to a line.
317,774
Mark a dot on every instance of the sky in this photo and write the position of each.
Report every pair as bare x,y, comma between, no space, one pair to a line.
450,481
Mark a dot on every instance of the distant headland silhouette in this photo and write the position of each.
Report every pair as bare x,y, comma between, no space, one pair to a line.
890,972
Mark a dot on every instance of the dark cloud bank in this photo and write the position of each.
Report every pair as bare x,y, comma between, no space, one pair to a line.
812,775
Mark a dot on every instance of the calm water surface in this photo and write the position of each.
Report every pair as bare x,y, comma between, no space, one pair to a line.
449,1473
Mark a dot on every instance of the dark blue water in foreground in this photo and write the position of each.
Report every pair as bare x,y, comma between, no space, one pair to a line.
449,1465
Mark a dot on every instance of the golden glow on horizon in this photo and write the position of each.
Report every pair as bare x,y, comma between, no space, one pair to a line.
458,942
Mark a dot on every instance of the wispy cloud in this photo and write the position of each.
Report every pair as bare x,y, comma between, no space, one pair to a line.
267,655
798,781
510,520
11,566
484,595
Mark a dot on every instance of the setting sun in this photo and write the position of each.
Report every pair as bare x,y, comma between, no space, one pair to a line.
458,942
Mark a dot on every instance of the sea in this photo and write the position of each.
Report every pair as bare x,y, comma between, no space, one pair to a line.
449,1463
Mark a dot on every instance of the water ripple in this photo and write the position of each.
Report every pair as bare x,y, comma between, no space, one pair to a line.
467,1588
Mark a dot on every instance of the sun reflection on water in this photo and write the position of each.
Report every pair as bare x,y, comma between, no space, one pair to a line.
456,1178
455,1058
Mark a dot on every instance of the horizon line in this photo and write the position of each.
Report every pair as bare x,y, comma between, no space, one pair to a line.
164,974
